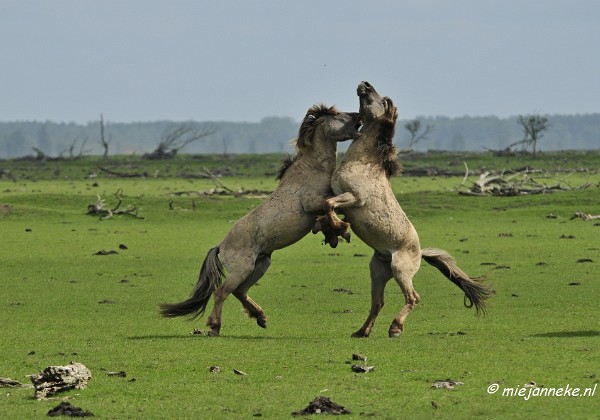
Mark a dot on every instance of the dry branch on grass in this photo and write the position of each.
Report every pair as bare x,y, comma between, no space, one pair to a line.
123,174
220,188
220,191
585,216
99,208
508,184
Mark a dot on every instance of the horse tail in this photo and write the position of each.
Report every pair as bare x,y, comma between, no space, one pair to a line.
476,293
211,276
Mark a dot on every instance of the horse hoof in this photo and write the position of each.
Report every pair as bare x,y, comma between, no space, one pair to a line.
346,236
212,334
332,240
262,323
359,334
394,334
316,228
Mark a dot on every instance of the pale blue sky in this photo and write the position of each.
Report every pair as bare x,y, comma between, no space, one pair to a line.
143,60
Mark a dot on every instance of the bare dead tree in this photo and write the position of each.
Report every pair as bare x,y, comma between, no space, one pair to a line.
533,129
103,140
39,154
71,150
413,127
176,139
225,142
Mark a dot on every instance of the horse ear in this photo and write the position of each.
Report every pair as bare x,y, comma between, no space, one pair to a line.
390,110
307,130
388,102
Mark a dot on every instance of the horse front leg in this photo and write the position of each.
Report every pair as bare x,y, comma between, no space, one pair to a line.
341,201
330,224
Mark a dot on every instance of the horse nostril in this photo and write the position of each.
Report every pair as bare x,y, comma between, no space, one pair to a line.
367,84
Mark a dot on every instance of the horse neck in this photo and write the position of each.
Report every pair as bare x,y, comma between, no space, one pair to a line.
366,142
320,157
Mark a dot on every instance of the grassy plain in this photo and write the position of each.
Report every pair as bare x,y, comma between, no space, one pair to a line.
60,302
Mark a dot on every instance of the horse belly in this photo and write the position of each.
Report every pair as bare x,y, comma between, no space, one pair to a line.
281,226
384,228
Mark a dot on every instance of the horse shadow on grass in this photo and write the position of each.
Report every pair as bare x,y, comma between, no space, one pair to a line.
567,334
205,337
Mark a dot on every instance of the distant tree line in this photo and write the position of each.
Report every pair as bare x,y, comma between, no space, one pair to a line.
578,132
273,134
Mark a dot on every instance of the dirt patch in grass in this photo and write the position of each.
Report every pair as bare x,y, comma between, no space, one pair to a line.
66,409
321,405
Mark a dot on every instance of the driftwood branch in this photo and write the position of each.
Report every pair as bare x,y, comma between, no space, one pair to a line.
99,208
220,191
508,184
585,216
123,174
466,173
215,180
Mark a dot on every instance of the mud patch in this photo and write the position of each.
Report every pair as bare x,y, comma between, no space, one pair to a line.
66,409
321,405
5,209
103,252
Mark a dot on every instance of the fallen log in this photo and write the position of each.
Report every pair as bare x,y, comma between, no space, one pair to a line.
123,174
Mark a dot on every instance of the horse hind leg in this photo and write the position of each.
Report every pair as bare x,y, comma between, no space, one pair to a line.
380,274
404,268
252,308
238,272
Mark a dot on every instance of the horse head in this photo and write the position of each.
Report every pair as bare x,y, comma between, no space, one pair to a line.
322,122
373,106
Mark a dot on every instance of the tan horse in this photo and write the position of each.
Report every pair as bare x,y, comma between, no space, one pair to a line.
364,195
284,218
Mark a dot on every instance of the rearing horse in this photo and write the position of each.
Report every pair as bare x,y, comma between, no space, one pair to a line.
364,195
284,218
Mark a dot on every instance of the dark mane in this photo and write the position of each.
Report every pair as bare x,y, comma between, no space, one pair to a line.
285,165
310,122
386,151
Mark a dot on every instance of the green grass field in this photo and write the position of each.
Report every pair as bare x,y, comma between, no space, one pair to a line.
62,303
